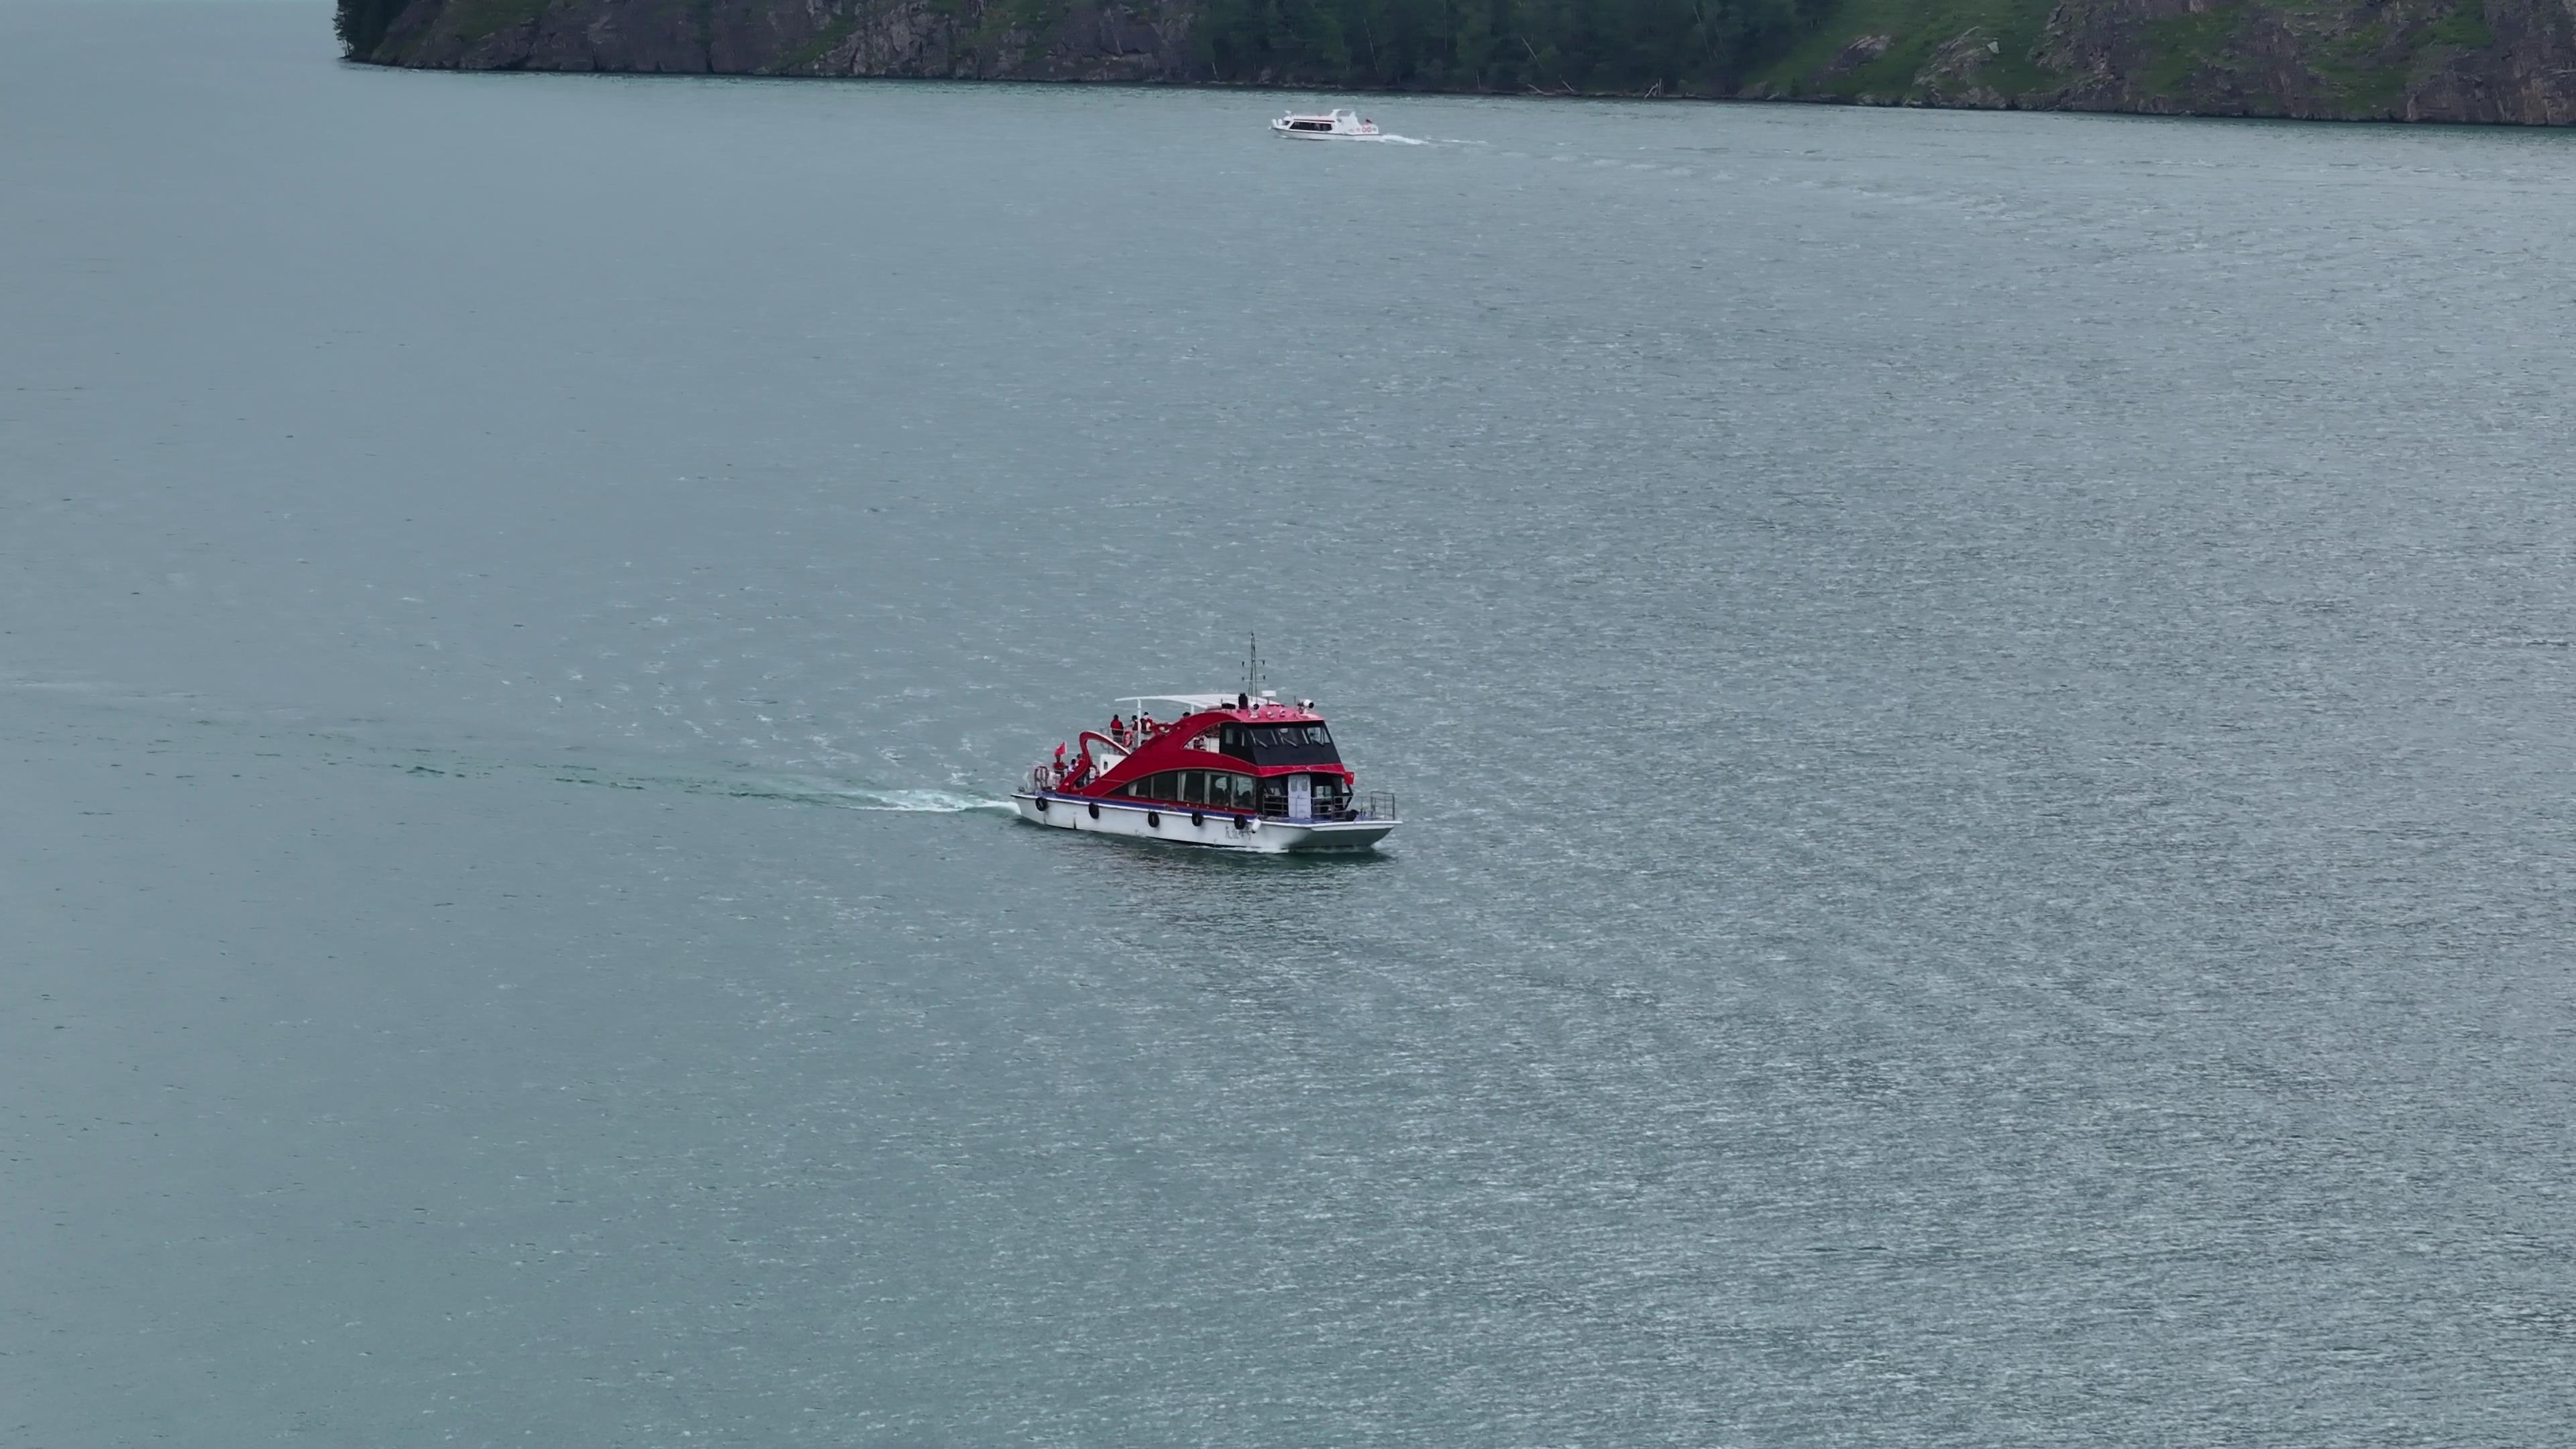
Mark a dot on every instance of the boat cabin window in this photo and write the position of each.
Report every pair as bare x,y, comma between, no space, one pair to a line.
1298,744
1226,790
1223,789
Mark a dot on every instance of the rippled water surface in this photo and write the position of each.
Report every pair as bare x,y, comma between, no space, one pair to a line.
1982,703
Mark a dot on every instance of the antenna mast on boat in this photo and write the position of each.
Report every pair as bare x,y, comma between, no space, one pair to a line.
1252,667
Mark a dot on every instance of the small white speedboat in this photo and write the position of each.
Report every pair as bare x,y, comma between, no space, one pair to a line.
1329,126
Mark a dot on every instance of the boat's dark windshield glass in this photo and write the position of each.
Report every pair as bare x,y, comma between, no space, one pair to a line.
1309,744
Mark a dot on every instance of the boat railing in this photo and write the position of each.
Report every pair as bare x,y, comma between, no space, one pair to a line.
1374,805
1047,779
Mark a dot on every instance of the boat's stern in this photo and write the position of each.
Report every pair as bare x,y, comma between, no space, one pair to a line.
1325,836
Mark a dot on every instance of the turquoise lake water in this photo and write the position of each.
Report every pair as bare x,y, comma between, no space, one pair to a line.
1982,704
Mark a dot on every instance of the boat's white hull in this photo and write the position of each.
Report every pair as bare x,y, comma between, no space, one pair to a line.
1213,829
1282,128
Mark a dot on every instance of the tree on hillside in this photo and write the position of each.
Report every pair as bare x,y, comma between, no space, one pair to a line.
1501,45
362,24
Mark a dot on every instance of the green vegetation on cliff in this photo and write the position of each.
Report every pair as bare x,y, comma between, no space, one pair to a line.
362,23
2454,60
1649,47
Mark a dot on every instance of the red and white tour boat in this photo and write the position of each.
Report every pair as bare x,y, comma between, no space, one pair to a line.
1234,771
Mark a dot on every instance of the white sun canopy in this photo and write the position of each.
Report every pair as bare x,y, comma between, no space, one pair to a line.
1189,703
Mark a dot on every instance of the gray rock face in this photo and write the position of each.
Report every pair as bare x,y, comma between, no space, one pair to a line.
961,39
2414,60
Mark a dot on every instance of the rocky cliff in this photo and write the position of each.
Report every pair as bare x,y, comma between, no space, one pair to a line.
2418,60
921,38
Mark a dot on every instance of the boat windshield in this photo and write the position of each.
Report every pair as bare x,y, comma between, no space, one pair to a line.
1287,744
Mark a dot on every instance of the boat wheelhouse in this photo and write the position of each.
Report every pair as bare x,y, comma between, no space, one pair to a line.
1326,126
1233,771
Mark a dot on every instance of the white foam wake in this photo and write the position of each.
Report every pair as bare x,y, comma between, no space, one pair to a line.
937,802
834,794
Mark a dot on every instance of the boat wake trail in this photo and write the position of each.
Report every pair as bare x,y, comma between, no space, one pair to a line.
825,794
919,802
841,795
285,734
